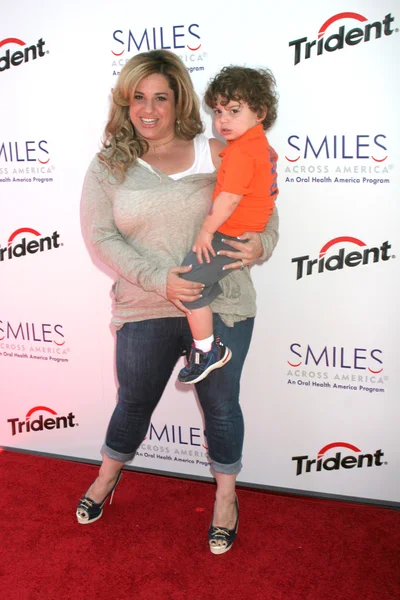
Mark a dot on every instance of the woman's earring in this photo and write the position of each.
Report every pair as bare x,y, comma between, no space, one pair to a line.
178,125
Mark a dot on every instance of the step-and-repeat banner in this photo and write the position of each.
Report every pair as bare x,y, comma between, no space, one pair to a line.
320,389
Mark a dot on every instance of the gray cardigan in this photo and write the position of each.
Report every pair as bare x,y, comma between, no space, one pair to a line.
146,225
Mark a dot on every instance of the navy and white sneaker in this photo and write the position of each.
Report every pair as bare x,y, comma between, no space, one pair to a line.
200,364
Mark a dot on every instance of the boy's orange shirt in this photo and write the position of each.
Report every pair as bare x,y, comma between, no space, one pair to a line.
248,168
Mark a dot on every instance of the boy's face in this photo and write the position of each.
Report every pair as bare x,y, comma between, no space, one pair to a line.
234,119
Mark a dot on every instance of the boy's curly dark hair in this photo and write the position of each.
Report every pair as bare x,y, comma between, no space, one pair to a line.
256,87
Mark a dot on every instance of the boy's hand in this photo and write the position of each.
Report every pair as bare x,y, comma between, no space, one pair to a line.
203,246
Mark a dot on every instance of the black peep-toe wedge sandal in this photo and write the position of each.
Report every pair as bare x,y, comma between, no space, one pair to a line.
89,511
220,539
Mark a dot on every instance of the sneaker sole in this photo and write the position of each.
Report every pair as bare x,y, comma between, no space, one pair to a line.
217,365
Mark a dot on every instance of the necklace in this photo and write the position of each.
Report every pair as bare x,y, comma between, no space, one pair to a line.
155,148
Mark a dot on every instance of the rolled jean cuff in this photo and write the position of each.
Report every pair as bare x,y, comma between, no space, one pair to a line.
232,469
114,455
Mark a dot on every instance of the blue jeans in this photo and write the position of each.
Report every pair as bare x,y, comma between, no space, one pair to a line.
147,352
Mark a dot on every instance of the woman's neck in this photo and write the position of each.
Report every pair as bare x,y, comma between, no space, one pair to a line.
160,147
175,157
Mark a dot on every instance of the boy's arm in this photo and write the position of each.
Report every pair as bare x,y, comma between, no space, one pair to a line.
221,209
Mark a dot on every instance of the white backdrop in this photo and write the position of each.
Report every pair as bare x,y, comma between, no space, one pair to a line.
320,388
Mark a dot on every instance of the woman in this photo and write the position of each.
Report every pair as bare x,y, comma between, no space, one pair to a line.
145,197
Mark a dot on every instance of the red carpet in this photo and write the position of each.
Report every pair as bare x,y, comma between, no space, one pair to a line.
151,542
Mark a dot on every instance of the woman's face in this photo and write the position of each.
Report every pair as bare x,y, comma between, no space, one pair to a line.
152,109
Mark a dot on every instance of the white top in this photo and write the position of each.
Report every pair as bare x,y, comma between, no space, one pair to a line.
202,159
203,163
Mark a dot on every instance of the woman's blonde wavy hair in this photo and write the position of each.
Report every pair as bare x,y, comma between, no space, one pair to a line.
121,143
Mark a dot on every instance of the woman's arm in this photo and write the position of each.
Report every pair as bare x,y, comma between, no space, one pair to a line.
216,146
259,247
108,242
270,236
112,249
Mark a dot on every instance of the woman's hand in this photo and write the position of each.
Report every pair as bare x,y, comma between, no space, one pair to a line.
203,246
181,290
247,253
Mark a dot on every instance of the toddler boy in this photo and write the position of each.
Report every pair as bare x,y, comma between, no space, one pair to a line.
244,104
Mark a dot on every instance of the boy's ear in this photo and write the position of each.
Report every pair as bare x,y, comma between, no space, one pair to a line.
262,113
